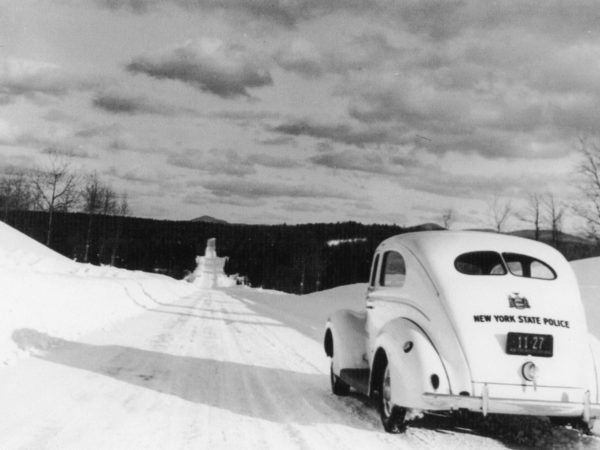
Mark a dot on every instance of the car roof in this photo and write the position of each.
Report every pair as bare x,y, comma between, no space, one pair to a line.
449,244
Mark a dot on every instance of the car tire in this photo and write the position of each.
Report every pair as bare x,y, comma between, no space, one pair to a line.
338,386
392,416
575,422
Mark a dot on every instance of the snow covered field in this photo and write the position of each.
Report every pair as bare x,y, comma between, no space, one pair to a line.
103,358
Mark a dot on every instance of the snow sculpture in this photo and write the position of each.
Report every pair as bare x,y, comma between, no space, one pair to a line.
209,269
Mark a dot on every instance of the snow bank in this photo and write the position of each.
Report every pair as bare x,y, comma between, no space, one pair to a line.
19,250
43,290
306,313
588,275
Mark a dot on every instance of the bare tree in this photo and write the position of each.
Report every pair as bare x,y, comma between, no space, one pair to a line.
98,200
554,211
533,213
122,211
589,185
500,212
15,192
92,196
448,217
110,204
55,186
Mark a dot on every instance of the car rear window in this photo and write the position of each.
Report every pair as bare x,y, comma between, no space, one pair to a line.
529,267
492,263
480,263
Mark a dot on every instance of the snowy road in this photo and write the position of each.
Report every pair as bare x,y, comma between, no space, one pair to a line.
211,370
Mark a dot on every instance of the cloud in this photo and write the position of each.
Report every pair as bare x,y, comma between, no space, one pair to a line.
228,161
280,12
352,160
277,141
422,173
215,161
277,162
35,79
388,161
137,6
312,60
8,132
435,179
441,20
343,133
507,115
141,174
91,131
302,206
208,65
263,189
121,103
434,20
303,57
204,199
243,115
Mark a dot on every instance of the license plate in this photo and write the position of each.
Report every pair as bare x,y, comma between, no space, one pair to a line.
529,344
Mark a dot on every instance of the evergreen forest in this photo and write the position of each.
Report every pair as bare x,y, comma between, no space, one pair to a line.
292,258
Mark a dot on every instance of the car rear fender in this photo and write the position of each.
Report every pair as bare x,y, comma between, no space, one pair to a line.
415,365
346,340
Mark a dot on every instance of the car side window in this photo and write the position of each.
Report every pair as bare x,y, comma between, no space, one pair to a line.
393,270
374,271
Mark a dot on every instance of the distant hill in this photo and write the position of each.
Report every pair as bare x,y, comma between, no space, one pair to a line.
208,219
424,227
546,236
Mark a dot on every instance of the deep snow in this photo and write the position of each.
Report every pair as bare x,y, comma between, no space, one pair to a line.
127,359
43,290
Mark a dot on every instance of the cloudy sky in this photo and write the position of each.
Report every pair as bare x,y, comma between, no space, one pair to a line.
272,111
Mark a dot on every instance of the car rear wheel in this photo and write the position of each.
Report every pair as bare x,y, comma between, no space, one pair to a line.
576,422
338,386
392,416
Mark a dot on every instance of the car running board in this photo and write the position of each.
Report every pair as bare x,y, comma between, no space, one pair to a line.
357,378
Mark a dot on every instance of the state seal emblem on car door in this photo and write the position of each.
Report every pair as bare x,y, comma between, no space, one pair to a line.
517,301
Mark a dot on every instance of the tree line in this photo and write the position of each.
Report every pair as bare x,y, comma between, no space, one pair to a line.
292,258
85,219
56,187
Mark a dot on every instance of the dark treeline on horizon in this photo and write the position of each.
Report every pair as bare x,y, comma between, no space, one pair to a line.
291,258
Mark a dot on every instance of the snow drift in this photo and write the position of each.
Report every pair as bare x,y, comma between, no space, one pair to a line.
45,291
588,276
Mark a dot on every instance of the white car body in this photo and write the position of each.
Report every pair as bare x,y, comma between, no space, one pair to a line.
441,328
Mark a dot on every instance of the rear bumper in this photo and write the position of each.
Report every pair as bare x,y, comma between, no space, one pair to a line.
486,404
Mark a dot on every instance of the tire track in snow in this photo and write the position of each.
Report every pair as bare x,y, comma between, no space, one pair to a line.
291,402
358,410
256,393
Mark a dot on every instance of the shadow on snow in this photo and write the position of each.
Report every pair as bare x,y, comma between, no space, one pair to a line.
243,389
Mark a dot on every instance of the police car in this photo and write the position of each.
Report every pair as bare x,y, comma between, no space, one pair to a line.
478,321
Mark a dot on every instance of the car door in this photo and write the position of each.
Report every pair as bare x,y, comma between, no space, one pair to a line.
388,276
